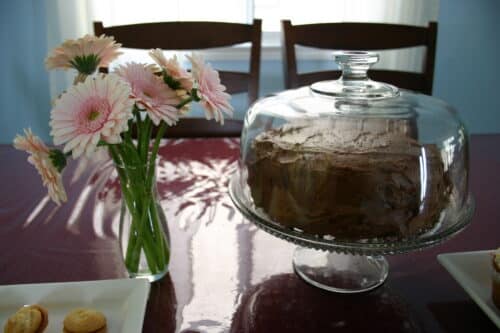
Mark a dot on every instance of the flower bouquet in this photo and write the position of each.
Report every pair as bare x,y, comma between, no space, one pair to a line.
126,112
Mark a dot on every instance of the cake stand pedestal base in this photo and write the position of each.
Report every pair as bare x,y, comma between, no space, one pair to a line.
342,273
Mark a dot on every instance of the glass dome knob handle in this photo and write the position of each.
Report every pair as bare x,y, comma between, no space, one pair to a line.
354,84
355,64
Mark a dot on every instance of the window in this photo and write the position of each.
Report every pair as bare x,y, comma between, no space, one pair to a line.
117,12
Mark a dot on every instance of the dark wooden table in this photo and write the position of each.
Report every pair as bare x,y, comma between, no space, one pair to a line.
225,275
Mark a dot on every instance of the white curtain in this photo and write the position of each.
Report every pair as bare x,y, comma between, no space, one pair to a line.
65,20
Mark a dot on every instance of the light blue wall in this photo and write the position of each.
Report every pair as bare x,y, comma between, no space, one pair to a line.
467,66
467,73
24,87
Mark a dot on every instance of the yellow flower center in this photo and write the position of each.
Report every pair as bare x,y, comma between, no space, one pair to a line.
93,115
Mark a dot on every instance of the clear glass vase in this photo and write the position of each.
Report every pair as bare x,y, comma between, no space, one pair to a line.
143,234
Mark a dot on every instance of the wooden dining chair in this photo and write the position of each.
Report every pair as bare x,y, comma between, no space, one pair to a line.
359,36
197,36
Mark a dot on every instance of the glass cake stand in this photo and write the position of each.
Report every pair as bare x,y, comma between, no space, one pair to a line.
347,266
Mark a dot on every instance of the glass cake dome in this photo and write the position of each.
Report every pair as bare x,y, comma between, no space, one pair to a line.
354,166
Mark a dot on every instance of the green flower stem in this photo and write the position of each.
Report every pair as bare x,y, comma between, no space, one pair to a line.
128,199
79,78
136,168
148,235
186,101
132,180
134,165
137,114
150,176
144,140
127,135
147,129
154,153
132,162
138,126
164,253
144,236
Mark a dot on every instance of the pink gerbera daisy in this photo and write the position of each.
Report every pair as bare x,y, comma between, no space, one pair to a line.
30,143
173,69
97,109
211,92
40,158
150,92
84,54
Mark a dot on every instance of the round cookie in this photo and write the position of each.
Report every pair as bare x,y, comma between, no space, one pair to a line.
84,320
28,319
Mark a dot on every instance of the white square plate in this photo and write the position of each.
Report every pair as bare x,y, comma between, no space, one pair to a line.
472,270
123,301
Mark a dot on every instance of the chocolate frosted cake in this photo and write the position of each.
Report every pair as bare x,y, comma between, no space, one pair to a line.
348,178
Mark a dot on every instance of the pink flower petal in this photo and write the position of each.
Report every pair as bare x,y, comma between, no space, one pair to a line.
214,99
103,47
39,157
173,69
151,93
81,115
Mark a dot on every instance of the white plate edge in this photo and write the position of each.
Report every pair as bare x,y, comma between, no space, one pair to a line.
141,287
50,284
454,272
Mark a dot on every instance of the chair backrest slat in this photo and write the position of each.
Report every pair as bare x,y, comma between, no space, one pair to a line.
235,82
179,35
360,36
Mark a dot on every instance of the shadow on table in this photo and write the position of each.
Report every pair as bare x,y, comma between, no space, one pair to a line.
461,316
285,303
161,307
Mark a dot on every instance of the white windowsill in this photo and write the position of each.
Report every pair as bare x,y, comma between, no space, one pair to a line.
268,52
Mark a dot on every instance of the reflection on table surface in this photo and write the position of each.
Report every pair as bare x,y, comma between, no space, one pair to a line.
225,274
